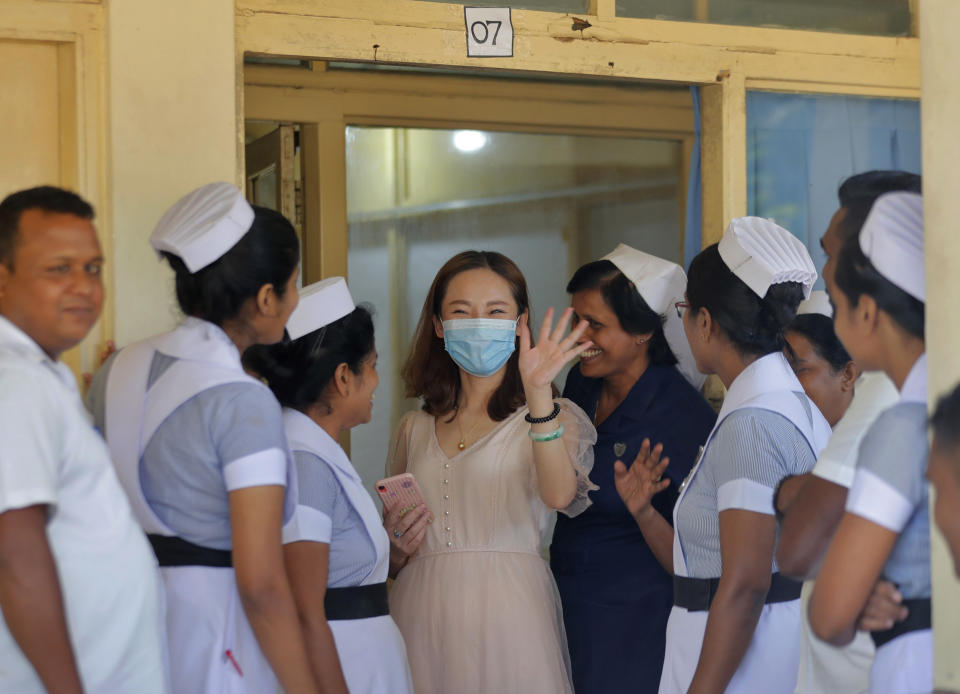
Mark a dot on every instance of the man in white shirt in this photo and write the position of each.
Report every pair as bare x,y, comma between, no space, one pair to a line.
79,587
812,505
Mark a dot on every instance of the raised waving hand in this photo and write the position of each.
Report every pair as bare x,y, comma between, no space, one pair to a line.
540,364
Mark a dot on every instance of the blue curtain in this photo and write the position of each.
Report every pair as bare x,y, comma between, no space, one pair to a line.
801,147
694,224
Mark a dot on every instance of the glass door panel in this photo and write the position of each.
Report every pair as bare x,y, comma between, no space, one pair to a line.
416,197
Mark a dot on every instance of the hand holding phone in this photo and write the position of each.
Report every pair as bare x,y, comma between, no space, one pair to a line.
405,517
401,490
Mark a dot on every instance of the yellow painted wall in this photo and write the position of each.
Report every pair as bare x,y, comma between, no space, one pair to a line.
172,126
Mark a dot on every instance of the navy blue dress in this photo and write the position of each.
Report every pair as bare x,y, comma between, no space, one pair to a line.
616,597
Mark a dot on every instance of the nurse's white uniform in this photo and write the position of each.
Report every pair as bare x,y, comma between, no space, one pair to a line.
771,661
371,650
212,648
826,669
891,490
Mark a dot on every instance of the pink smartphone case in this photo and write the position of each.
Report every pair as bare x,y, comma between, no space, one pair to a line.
400,490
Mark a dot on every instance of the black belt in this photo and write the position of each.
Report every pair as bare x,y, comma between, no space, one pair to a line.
696,594
918,618
356,602
175,551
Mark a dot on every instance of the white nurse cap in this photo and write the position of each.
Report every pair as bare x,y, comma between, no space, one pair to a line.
321,303
819,302
761,253
661,284
203,225
892,238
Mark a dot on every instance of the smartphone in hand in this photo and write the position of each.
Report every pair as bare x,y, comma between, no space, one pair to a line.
400,490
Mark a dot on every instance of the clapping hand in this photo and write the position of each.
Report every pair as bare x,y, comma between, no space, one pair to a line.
541,363
638,484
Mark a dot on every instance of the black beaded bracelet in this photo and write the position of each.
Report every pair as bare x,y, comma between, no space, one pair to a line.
543,420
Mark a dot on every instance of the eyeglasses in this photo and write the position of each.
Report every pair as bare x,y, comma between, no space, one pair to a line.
681,306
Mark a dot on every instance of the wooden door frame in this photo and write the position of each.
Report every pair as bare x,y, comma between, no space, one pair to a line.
77,30
325,102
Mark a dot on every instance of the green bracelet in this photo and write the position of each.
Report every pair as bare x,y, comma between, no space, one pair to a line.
550,436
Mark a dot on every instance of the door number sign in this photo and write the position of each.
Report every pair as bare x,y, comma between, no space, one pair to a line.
489,32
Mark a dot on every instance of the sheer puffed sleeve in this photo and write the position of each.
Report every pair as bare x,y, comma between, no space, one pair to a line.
397,455
579,437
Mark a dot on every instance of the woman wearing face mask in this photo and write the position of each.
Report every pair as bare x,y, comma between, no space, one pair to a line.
493,453
336,549
878,291
735,624
200,449
616,596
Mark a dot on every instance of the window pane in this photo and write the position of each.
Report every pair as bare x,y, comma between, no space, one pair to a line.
683,10
416,197
879,17
543,5
800,148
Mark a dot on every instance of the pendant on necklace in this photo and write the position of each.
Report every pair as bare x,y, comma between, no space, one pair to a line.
461,445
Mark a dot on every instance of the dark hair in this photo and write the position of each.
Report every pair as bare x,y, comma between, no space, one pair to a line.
818,329
46,198
856,276
267,254
429,372
858,193
755,326
635,315
946,419
298,371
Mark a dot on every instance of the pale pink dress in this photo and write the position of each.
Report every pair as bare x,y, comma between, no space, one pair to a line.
477,605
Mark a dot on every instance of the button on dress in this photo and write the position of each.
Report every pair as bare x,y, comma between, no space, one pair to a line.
477,606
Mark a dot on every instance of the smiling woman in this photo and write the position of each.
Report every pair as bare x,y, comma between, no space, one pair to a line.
822,365
336,550
494,455
616,595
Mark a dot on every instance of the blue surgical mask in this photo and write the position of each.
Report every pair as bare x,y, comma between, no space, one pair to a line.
480,346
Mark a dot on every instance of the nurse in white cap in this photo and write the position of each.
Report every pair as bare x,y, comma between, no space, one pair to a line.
639,381
879,293
201,452
822,365
336,547
735,624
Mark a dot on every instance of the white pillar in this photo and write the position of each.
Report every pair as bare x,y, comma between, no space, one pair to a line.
940,107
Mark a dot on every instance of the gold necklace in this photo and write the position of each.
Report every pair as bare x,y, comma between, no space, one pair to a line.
463,439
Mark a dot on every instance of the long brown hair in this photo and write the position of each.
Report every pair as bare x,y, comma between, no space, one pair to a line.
430,373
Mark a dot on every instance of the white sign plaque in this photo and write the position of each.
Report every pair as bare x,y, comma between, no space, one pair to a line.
489,32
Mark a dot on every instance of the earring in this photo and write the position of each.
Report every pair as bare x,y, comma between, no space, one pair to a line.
641,340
